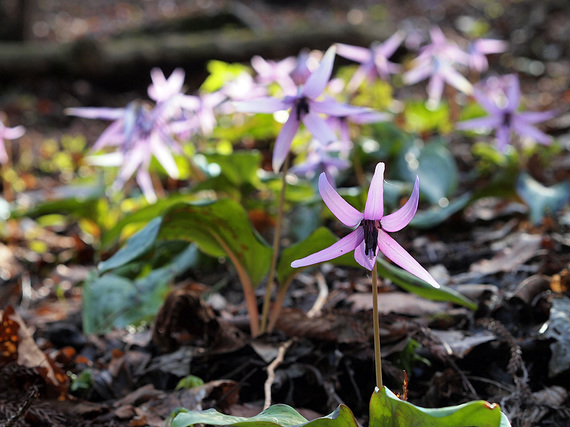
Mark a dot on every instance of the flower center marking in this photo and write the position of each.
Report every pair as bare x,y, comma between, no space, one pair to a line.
507,118
302,108
370,227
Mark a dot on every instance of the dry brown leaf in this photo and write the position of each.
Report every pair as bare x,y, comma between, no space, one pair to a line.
522,248
397,302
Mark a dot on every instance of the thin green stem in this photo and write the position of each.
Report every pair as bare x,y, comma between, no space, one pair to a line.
275,254
376,322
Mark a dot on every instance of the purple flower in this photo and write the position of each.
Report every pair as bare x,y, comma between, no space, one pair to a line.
326,158
340,123
504,117
163,89
139,132
437,61
477,50
8,133
371,234
374,60
275,72
304,108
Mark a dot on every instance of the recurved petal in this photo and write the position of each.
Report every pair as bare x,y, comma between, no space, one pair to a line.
318,80
488,122
145,183
525,129
343,246
374,208
355,53
398,255
392,43
503,136
361,257
340,208
262,105
319,128
12,133
536,116
402,217
96,112
514,93
164,156
283,141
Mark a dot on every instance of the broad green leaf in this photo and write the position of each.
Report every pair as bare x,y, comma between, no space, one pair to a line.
542,200
78,201
386,410
437,214
419,118
323,238
220,73
219,228
434,165
139,244
239,168
143,215
319,239
274,416
114,301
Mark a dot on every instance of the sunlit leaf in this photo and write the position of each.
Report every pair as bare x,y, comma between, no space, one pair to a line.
434,165
386,410
276,415
220,228
137,245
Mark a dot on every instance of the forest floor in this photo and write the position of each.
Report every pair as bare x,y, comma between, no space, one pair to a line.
513,350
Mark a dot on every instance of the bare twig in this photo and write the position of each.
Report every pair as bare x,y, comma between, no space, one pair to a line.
271,371
321,298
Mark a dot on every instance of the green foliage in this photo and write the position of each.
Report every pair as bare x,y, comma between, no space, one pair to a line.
274,416
386,410
419,118
438,214
220,228
433,164
542,200
189,381
111,300
220,73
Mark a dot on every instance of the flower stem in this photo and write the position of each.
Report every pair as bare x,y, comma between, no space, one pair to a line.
376,322
276,240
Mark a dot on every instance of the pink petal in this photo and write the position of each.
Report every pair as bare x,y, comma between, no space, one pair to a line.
343,246
145,183
3,153
112,135
536,116
354,53
488,104
164,157
283,141
331,107
318,80
503,136
319,128
391,44
402,217
513,93
361,257
12,133
340,208
399,256
525,129
455,79
374,208
488,122
96,113
435,88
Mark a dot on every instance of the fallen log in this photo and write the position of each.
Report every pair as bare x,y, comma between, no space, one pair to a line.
93,59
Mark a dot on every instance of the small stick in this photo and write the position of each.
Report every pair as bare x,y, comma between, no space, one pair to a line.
271,371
